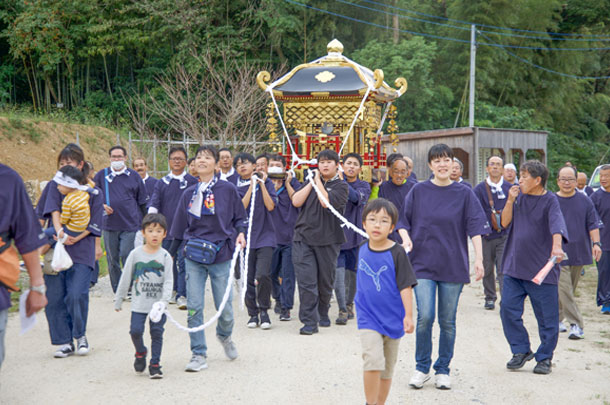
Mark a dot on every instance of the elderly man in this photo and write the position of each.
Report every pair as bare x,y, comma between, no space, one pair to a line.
457,169
140,166
581,184
583,227
601,200
225,164
492,193
510,173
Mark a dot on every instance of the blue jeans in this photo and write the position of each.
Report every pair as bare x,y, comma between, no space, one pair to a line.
339,287
136,330
282,267
425,296
196,277
545,302
68,303
118,246
178,269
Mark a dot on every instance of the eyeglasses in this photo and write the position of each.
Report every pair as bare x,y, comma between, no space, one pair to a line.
177,159
566,180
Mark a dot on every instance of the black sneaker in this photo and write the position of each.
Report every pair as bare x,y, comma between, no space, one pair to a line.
490,305
350,311
285,315
324,322
155,371
64,351
308,330
519,360
253,322
265,321
139,364
277,308
543,367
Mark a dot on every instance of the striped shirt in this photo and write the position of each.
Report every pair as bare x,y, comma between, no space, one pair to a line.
75,211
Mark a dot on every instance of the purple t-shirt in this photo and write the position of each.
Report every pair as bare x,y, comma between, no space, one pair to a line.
82,252
263,228
18,219
150,184
233,178
125,195
357,197
439,221
228,220
166,197
580,217
481,192
396,194
536,218
285,214
601,200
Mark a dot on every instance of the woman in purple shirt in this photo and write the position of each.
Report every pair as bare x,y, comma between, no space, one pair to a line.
68,290
435,222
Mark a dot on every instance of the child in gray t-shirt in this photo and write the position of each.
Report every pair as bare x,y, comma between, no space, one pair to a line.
149,267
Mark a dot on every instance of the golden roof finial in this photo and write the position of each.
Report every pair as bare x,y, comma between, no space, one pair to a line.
334,46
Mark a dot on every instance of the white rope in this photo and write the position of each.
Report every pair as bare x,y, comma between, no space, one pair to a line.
159,308
244,264
351,127
333,210
295,157
385,114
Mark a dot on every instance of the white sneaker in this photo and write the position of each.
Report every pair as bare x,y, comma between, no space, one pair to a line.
172,300
576,332
443,381
82,346
562,327
229,347
181,303
197,363
418,379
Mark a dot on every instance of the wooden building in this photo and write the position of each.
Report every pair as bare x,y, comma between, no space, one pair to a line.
472,146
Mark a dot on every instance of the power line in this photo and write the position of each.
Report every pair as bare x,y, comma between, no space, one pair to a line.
493,44
514,55
550,36
490,26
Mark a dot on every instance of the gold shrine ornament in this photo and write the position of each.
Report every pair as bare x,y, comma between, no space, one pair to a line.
325,77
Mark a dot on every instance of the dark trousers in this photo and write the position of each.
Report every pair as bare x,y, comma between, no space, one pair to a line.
178,270
258,291
136,330
350,286
314,267
545,302
282,268
493,250
68,303
603,278
118,246
95,273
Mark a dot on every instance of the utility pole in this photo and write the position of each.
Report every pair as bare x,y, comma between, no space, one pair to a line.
473,55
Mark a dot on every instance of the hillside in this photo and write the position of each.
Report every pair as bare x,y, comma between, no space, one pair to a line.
31,147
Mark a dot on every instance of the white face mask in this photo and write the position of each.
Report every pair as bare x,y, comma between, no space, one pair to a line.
117,165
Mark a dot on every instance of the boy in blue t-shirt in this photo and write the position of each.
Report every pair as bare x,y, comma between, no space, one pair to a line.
384,298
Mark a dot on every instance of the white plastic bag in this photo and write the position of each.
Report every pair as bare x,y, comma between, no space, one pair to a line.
61,258
139,239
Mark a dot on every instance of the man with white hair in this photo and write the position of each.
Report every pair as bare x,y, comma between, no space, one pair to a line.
510,173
